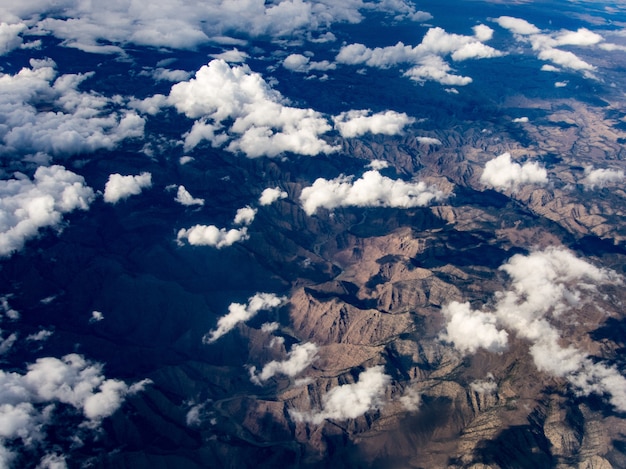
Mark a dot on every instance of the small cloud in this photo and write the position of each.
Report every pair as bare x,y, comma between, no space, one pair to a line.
211,235
411,400
486,386
599,178
521,120
270,327
271,195
377,165
96,316
238,313
232,56
503,174
40,336
299,357
356,123
183,160
561,84
185,198
245,216
470,330
428,141
549,68
120,187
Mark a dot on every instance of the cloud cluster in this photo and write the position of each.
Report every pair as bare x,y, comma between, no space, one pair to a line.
548,46
271,195
27,400
427,58
349,401
120,187
26,206
503,174
238,312
43,112
544,286
211,235
371,190
599,178
103,28
299,357
233,105
353,124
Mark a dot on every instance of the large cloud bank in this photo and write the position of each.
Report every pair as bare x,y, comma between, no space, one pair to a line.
27,206
427,58
371,190
349,401
44,112
545,286
503,174
27,400
238,313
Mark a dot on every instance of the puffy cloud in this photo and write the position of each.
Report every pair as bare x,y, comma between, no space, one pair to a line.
428,141
371,190
470,330
411,400
96,316
503,174
165,74
486,386
545,285
245,216
231,56
521,120
120,187
211,235
27,206
26,399
349,401
10,38
185,198
517,25
601,177
302,64
43,112
427,57
356,123
238,312
299,357
262,124
271,195
377,165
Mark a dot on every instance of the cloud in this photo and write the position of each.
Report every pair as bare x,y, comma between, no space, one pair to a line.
238,312
96,316
302,64
10,36
503,174
377,165
211,235
271,195
164,74
545,285
371,190
411,400
428,141
470,330
427,57
231,56
120,187
353,124
245,216
43,112
73,381
28,206
486,386
259,122
517,25
599,178
521,120
349,401
185,198
299,357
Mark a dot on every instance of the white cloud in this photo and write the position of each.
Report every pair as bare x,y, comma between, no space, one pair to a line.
356,123
43,112
270,327
377,165
120,187
598,178
349,401
517,25
522,120
486,386
231,56
245,216
299,357
211,235
165,74
10,36
271,195
27,206
52,461
470,330
40,336
371,190
238,312
428,141
262,124
185,198
303,64
503,174
411,400
96,316
434,68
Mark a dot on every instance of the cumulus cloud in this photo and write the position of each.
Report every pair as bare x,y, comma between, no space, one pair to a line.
427,57
299,357
428,141
470,330
120,187
245,216
521,120
27,206
599,178
26,400
349,401
544,286
185,198
411,400
231,56
356,123
546,45
43,112
260,123
10,36
238,313
303,64
377,165
271,195
371,190
485,386
211,235
503,174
